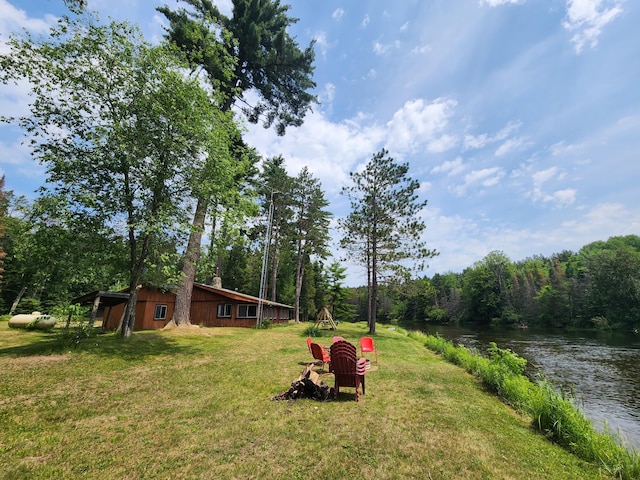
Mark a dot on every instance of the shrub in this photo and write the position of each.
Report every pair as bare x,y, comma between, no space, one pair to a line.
72,336
266,323
312,331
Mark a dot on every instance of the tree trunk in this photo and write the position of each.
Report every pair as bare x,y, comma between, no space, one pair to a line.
373,307
129,318
181,312
15,303
274,269
137,265
299,277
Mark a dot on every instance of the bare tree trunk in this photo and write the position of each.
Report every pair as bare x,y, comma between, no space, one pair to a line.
129,318
182,310
299,277
15,303
137,265
274,268
373,305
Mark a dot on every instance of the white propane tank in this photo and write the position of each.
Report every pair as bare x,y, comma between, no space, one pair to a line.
35,320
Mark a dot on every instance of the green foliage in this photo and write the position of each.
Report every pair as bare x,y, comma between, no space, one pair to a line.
250,50
138,130
597,288
41,322
74,335
310,228
383,231
28,305
512,362
312,331
266,323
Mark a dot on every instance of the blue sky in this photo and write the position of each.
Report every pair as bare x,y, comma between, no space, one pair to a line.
520,118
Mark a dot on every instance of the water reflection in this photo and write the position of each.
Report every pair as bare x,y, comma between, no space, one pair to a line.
601,369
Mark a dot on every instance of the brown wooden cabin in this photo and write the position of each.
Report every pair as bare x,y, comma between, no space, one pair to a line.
210,307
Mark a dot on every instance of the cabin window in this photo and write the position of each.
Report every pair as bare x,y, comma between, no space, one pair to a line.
247,311
160,312
224,310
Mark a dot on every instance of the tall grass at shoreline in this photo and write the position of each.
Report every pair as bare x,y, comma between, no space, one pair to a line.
554,413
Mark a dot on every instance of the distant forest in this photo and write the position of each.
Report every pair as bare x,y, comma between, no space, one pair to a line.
597,287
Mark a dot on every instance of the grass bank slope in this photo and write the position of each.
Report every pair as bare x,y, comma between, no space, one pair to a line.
197,404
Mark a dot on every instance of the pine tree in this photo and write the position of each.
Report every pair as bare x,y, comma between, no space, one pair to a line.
311,227
383,229
249,51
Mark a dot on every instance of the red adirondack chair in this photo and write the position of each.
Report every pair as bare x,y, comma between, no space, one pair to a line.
348,369
319,353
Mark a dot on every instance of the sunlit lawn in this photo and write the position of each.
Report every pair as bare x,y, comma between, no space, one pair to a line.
197,404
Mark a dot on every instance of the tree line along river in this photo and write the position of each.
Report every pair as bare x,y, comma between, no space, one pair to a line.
601,368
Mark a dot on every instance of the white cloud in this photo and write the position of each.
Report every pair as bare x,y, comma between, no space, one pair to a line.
419,123
14,19
563,197
486,177
560,148
601,222
560,198
13,154
330,150
587,18
543,176
18,156
425,187
512,145
337,14
421,49
384,48
366,20
451,168
329,93
404,27
322,43
472,142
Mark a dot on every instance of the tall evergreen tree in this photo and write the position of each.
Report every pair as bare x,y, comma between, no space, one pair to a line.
340,309
276,191
264,59
310,225
383,229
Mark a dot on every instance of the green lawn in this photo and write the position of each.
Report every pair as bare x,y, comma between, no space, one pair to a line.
196,403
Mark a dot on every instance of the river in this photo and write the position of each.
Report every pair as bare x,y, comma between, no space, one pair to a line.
603,369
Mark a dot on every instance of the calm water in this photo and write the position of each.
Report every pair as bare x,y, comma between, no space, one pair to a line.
602,369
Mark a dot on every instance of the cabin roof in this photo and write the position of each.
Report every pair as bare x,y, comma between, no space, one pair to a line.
243,297
107,299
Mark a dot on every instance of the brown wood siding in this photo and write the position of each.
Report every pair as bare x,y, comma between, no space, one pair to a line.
145,309
204,310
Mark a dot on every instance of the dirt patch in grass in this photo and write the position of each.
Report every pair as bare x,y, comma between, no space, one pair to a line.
35,360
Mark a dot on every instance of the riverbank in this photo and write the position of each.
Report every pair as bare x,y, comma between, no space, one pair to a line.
197,404
599,368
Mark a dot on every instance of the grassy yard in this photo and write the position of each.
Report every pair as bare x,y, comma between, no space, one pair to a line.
197,403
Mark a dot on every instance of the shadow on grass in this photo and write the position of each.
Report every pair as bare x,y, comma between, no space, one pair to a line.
139,346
